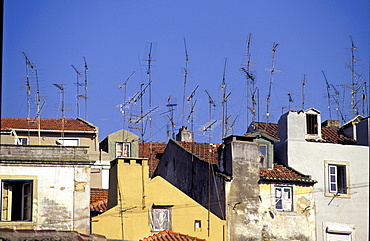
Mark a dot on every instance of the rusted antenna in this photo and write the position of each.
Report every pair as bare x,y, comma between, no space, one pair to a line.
86,86
29,65
186,71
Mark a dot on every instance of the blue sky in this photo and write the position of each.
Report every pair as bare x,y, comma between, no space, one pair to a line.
114,37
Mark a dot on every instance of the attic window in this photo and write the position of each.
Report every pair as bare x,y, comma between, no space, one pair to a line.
311,123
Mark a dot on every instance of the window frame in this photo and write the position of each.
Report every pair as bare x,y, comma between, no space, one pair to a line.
153,213
61,141
312,124
26,212
284,201
127,146
264,158
332,179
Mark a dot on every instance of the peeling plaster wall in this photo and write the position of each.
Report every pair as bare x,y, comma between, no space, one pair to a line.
61,196
242,192
298,224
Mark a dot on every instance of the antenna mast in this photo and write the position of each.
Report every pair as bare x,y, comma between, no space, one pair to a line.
185,77
272,70
61,88
290,99
86,84
150,95
211,103
223,103
39,107
192,106
28,82
354,80
303,86
123,107
328,92
78,74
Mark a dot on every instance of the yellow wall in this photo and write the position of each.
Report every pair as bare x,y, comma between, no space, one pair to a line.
132,174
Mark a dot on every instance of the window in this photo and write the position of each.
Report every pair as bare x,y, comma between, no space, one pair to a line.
69,142
16,200
311,123
337,179
160,218
197,225
283,198
122,149
22,141
263,157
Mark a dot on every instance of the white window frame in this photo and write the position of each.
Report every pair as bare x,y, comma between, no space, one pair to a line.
19,142
26,202
284,196
125,148
160,218
62,140
337,178
264,159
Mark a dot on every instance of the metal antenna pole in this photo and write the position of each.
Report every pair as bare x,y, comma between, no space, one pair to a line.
303,86
192,106
328,92
86,84
28,82
185,77
272,70
78,73
211,102
150,96
223,87
123,107
62,108
290,99
354,82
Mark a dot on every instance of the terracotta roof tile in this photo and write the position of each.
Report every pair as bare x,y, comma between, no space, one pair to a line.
283,173
153,156
328,135
99,206
168,235
205,151
98,194
46,124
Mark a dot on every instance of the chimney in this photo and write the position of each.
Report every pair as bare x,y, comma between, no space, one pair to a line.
332,124
185,135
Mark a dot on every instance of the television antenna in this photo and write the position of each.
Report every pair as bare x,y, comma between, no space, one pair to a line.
192,107
29,65
78,74
86,86
304,81
250,77
170,106
39,107
336,100
290,99
224,103
186,71
211,103
62,92
272,70
328,93
124,105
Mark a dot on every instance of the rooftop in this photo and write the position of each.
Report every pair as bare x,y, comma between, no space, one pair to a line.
284,173
46,124
168,235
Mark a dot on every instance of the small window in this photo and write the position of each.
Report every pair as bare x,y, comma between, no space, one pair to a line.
337,182
21,141
311,123
122,149
16,200
197,225
283,198
160,218
263,157
69,142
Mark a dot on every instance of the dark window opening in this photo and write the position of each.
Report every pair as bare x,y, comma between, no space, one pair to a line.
311,122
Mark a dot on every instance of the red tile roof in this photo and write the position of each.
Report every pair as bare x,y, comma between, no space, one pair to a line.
168,235
99,206
98,194
47,124
153,156
98,199
269,128
283,173
205,151
328,135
